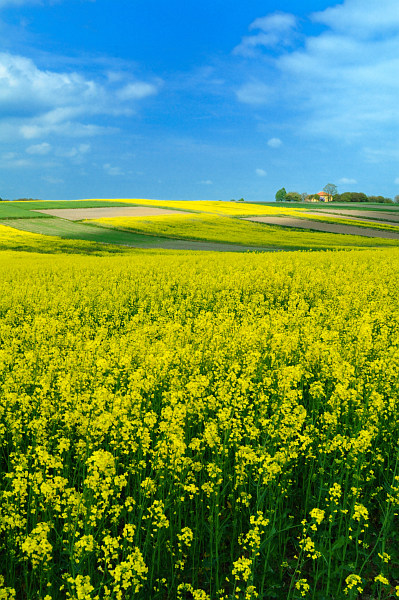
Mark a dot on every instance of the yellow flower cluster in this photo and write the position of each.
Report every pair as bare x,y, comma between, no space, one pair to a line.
206,426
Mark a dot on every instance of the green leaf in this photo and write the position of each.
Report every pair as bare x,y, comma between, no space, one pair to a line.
339,543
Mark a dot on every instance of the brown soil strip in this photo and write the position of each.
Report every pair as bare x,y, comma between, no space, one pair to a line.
364,214
327,227
78,214
354,219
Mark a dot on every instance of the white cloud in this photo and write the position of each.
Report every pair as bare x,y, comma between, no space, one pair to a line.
114,171
36,102
8,155
261,172
13,162
52,180
76,151
275,29
396,181
206,182
347,180
361,17
137,91
41,149
274,142
255,92
4,3
344,79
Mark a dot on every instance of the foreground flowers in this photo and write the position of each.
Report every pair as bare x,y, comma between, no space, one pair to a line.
199,426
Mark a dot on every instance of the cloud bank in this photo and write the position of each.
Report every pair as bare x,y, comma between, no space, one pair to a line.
272,30
36,102
342,80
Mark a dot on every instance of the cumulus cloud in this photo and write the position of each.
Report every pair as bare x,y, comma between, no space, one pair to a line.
255,92
361,17
52,180
75,152
137,91
10,160
5,3
113,171
40,149
273,30
347,180
342,80
261,172
274,142
36,102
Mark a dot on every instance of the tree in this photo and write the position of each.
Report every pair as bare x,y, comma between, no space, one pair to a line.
353,197
293,197
280,195
304,195
396,199
330,189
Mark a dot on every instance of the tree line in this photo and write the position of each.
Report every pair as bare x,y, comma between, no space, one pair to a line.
331,190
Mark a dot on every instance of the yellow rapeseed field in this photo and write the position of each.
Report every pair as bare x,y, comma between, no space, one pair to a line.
199,426
228,229
237,209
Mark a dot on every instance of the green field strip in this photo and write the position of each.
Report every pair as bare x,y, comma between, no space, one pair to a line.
45,204
230,230
11,211
73,230
24,210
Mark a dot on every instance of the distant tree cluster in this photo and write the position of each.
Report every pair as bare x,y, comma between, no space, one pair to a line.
331,193
360,197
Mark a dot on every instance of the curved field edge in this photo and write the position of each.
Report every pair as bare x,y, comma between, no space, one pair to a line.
231,230
97,239
370,224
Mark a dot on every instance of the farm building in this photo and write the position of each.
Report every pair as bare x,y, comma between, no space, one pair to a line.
324,197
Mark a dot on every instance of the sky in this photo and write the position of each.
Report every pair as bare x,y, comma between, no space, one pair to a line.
193,100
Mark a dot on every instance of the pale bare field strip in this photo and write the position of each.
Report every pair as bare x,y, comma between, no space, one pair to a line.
348,217
327,227
78,214
364,214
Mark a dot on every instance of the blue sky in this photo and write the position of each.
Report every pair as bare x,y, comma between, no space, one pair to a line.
198,100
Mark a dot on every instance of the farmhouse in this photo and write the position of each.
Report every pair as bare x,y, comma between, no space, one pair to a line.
324,197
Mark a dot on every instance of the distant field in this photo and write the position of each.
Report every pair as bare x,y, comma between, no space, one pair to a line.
328,227
233,209
79,231
11,210
79,214
237,231
205,225
368,214
346,219
15,210
364,206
